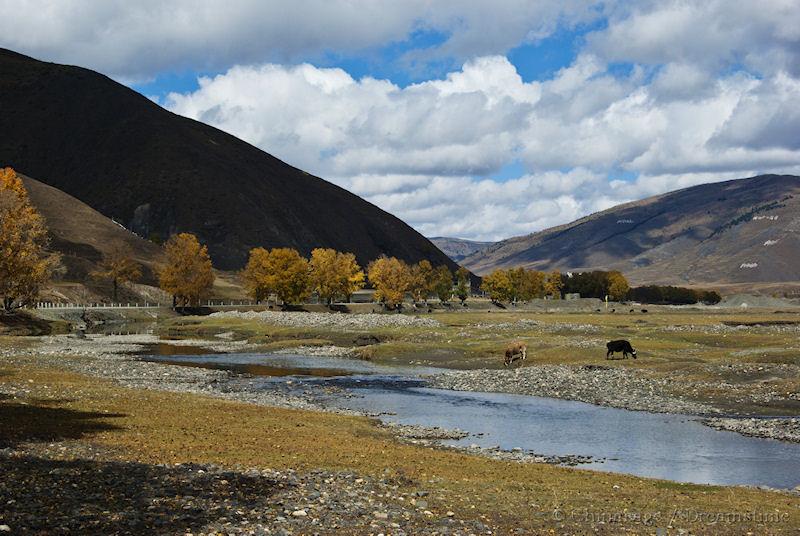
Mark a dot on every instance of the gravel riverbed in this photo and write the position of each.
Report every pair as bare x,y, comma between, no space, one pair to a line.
359,322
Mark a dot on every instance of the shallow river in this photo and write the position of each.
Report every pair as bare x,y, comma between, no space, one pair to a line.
674,447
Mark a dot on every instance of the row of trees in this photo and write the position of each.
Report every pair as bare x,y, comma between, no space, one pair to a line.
669,295
597,284
519,284
392,278
333,275
26,266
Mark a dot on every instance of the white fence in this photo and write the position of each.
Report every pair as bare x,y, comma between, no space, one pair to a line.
140,305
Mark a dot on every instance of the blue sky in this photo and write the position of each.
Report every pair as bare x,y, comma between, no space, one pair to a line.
473,119
533,61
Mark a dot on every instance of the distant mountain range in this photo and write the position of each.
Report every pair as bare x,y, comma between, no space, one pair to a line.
158,173
458,248
738,232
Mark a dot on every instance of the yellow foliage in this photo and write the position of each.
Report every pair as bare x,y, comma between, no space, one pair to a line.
526,284
498,285
281,271
188,273
617,286
391,278
25,265
553,285
119,267
334,274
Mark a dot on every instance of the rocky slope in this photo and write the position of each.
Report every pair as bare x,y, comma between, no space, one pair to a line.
458,248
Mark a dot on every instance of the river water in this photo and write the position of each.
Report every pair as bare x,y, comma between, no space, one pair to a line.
673,447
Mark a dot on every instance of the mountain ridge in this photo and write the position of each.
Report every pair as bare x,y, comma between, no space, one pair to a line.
718,233
159,173
458,248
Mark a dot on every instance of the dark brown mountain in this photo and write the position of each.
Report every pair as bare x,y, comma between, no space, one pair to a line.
82,235
158,173
736,232
458,248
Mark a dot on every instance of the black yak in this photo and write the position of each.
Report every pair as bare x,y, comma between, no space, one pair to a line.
620,346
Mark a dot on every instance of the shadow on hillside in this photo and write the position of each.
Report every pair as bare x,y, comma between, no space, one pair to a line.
22,323
43,496
38,422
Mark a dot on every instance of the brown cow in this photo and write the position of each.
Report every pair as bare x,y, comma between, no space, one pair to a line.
517,350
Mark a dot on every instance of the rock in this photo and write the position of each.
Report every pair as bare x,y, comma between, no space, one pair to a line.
366,340
5,528
299,513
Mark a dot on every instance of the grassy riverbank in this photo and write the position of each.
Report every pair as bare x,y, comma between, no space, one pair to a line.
56,414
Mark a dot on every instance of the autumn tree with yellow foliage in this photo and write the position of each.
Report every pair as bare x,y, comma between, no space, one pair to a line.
281,271
553,284
334,274
25,263
118,267
618,286
498,285
391,278
188,274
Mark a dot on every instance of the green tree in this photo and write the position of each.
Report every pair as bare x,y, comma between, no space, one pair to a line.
463,284
443,283
422,280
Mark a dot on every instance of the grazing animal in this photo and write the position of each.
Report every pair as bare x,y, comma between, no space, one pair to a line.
620,346
515,351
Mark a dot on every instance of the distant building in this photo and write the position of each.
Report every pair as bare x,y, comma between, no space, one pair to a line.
363,296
